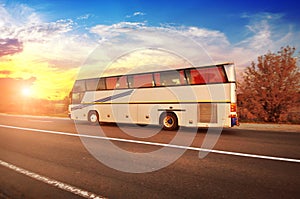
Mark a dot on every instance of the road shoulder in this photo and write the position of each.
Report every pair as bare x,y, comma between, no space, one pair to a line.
270,127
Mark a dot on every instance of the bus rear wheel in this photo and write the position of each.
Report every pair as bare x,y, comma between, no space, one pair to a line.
169,121
93,117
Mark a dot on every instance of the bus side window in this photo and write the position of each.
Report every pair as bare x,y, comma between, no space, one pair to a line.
79,86
111,82
195,77
213,75
157,79
182,77
172,78
101,84
91,84
77,97
140,81
206,75
122,82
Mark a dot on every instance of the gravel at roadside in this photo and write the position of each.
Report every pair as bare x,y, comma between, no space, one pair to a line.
270,127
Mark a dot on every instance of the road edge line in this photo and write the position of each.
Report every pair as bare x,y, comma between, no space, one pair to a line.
158,144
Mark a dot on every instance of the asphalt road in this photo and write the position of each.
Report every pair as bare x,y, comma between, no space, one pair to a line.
55,162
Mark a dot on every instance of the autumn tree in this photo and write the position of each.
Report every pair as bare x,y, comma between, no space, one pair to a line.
271,87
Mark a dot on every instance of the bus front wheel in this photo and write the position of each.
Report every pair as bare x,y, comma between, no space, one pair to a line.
93,117
169,121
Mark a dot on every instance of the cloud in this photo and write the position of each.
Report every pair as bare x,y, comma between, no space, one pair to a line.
261,38
139,14
151,47
114,30
5,72
10,46
136,14
268,31
140,32
43,40
84,17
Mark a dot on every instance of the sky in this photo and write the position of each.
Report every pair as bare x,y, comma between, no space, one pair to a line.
56,41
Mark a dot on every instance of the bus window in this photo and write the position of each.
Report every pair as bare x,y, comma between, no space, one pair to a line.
157,79
79,86
206,75
101,84
122,82
111,82
194,77
77,97
213,75
91,84
140,81
182,77
171,78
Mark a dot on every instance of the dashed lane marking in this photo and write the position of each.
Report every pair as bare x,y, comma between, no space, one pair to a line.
158,144
55,183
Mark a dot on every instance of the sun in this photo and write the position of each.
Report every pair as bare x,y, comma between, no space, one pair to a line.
27,91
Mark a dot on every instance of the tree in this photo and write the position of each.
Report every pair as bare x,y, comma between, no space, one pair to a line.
271,87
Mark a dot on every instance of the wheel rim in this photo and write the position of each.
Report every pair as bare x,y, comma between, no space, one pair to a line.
168,121
93,118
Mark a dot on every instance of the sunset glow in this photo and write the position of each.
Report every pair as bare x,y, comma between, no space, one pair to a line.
27,91
48,82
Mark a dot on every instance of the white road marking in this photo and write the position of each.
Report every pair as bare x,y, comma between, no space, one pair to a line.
158,144
55,183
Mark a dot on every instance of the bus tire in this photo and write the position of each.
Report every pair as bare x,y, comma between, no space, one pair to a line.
169,121
93,117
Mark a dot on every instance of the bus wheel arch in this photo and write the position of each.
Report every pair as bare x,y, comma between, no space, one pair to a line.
169,121
93,117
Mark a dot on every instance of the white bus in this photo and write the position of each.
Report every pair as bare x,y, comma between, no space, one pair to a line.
192,97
